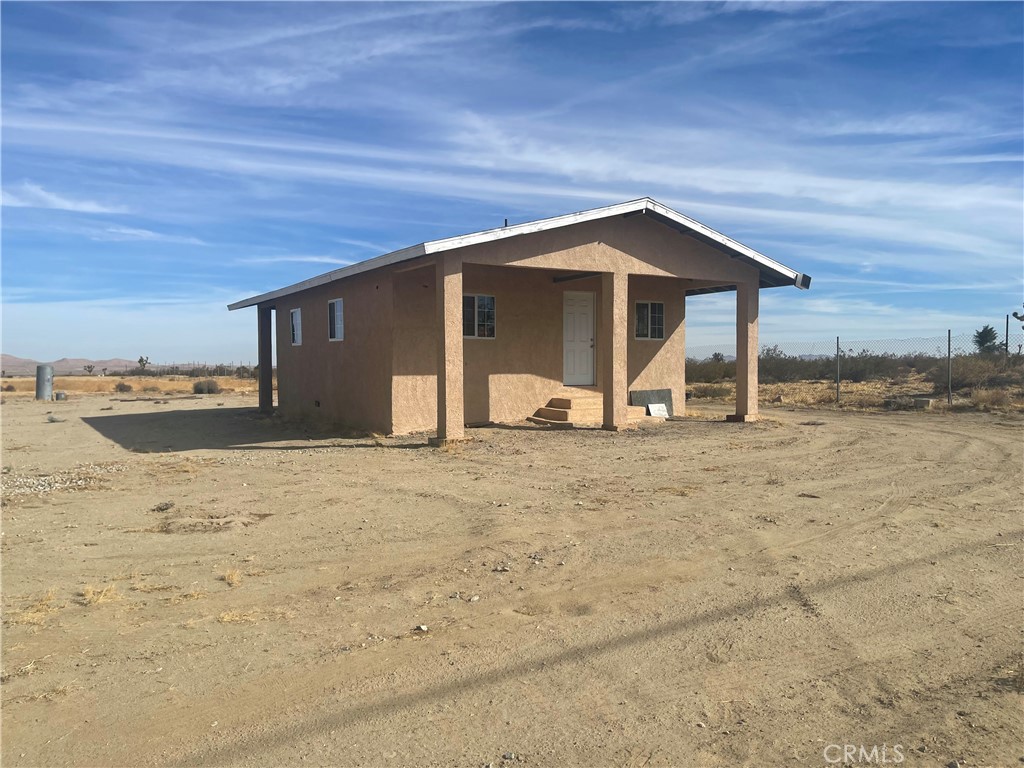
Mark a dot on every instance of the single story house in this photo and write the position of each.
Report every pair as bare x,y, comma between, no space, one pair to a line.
578,309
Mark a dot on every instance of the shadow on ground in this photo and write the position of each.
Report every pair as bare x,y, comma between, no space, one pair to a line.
229,429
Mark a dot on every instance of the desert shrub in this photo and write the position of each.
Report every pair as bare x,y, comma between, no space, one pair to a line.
9,388
710,370
206,387
990,398
151,389
711,390
979,371
122,386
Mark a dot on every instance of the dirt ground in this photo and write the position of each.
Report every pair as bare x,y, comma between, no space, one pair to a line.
188,583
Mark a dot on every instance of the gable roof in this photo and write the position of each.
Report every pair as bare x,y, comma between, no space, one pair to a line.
773,274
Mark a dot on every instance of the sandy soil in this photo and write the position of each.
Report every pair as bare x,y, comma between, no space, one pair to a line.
187,583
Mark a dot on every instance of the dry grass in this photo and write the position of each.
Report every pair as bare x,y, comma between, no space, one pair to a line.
91,595
176,385
991,398
139,587
22,671
453,447
237,617
37,612
59,692
232,577
185,597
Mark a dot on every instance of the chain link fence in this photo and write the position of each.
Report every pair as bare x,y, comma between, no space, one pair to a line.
949,365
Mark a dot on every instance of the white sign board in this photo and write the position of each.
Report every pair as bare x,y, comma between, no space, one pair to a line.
657,409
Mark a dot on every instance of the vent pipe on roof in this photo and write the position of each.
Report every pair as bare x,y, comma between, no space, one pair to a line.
506,222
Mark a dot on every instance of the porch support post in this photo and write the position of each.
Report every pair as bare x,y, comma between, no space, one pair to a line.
265,358
451,421
746,352
614,327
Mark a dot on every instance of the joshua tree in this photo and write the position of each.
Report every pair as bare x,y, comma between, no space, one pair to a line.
104,371
144,361
89,369
986,339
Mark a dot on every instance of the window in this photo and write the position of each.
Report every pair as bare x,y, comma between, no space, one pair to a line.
650,320
296,316
336,320
478,317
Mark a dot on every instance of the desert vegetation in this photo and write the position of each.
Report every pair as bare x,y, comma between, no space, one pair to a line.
982,378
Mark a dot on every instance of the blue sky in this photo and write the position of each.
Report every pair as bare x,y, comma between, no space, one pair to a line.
161,160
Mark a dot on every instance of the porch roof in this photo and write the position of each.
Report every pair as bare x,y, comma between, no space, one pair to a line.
773,273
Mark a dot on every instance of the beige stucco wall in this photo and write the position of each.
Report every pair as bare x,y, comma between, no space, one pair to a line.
636,245
384,375
413,392
351,379
508,377
654,364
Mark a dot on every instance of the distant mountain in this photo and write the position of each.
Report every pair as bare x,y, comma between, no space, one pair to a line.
66,366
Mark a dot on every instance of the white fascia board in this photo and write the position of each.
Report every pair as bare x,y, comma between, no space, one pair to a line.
541,225
725,240
447,244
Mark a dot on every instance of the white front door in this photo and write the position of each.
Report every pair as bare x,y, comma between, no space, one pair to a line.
578,338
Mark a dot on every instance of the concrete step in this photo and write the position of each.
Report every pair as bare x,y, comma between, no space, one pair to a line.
587,401
552,414
550,422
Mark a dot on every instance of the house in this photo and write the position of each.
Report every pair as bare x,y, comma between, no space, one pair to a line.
493,325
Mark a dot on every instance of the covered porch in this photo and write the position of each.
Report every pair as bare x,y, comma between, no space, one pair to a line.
563,335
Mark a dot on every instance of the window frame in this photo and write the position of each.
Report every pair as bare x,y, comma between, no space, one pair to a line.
476,315
296,328
332,314
636,330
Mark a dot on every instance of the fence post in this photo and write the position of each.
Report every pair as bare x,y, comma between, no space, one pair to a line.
1006,337
949,367
837,370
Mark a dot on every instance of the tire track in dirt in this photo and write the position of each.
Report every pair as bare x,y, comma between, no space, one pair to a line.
294,688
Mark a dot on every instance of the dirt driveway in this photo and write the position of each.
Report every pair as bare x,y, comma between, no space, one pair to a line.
186,583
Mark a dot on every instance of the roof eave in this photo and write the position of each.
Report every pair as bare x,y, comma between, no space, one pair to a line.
768,267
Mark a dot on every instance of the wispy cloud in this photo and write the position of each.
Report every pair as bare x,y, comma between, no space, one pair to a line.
306,137
29,195
133,234
293,259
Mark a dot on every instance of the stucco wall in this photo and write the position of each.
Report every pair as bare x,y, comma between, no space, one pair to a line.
414,351
508,377
351,379
637,245
655,364
384,375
